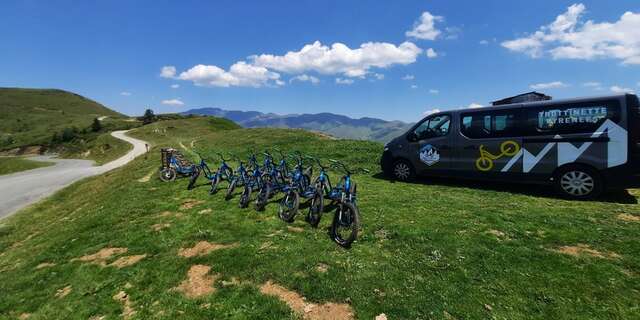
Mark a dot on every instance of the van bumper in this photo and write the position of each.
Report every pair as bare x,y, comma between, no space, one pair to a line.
386,162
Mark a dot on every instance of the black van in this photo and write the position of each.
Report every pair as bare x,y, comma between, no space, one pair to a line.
582,146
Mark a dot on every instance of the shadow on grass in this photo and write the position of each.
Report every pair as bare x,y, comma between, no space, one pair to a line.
546,191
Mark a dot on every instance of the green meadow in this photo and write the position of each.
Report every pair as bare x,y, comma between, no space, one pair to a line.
434,249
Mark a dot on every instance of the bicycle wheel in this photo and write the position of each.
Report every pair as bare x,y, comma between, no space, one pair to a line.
245,197
263,196
289,206
194,178
315,208
264,193
484,164
168,174
346,221
230,189
214,183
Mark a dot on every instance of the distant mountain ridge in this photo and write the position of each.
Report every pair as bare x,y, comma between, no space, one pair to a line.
339,126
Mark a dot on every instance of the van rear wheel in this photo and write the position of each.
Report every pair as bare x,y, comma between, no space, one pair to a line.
402,170
578,182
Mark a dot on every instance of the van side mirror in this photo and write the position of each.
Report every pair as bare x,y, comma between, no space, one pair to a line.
412,136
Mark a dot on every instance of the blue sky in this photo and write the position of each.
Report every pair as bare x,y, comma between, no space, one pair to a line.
114,51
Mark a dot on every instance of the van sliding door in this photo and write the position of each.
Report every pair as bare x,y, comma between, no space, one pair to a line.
490,144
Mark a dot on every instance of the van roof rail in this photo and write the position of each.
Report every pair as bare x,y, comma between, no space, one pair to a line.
525,97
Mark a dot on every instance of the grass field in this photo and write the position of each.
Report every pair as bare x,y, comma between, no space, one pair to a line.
31,116
100,147
429,250
17,164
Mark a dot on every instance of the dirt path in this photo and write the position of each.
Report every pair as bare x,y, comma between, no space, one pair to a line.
24,188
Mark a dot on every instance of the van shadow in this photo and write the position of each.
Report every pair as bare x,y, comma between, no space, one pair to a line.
545,191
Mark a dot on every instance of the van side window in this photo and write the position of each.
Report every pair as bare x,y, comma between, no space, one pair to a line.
490,124
571,118
437,126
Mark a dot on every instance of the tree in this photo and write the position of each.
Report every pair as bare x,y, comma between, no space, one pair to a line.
96,125
148,117
68,134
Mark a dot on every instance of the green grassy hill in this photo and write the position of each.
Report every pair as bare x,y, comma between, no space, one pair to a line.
434,250
31,116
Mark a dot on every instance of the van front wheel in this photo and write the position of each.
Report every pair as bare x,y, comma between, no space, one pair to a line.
403,171
578,182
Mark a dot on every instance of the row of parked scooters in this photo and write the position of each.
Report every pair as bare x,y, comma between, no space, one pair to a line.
290,175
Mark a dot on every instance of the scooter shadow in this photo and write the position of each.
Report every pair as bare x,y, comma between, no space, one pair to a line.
544,191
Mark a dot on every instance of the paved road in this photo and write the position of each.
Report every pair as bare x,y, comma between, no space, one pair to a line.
21,189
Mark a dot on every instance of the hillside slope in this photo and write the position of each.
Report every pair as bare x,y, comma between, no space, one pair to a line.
31,116
435,250
333,124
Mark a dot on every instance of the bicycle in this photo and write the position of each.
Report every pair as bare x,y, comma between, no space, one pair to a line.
174,164
319,189
298,183
252,182
347,214
240,178
225,172
273,180
485,162
201,167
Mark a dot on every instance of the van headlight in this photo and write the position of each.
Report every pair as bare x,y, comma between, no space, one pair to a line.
386,147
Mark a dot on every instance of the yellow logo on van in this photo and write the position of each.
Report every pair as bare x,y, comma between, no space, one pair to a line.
485,162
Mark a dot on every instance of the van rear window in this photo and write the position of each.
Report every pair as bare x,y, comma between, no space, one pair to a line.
572,118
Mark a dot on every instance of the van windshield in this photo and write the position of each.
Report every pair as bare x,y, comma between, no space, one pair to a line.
437,126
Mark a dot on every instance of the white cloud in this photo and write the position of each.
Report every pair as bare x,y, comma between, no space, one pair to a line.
570,38
424,28
593,85
340,59
475,106
378,76
548,85
173,102
305,78
125,93
344,81
431,53
617,89
408,77
175,86
414,86
484,42
168,72
434,91
430,112
240,74
638,84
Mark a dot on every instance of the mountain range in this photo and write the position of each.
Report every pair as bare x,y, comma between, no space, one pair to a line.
336,125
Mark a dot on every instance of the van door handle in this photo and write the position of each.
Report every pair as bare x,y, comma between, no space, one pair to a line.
469,148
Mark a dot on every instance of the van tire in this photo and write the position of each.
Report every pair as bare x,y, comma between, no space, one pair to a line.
402,170
578,182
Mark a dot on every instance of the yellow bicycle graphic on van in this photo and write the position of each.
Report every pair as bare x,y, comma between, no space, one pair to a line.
507,148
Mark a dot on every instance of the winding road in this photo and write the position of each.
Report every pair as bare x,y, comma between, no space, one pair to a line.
21,189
